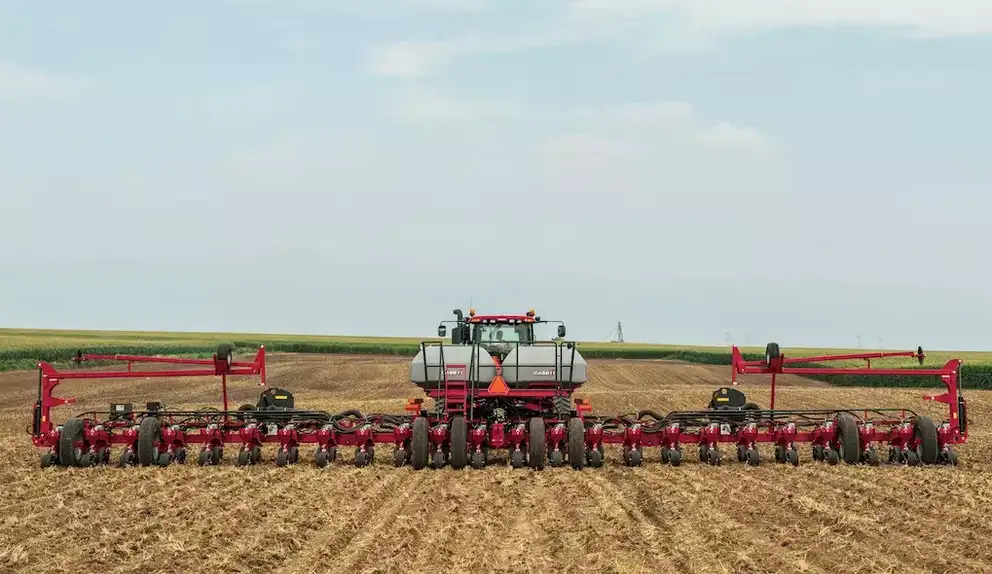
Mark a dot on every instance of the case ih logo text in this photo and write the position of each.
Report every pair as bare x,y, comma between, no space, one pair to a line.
456,372
544,372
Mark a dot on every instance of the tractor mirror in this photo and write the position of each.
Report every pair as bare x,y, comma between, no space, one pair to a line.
442,331
561,330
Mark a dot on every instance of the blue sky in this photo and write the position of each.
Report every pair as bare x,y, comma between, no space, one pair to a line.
789,171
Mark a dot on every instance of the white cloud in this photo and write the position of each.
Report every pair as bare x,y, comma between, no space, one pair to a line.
637,113
22,83
916,17
409,59
638,132
422,105
581,146
724,135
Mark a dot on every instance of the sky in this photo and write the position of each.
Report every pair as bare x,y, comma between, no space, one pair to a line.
810,173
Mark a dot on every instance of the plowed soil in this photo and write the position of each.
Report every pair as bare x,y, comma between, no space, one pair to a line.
656,518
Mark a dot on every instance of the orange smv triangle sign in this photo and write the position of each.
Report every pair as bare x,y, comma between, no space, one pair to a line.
498,386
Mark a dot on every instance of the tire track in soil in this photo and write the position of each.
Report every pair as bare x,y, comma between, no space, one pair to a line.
341,523
858,527
894,501
706,519
793,506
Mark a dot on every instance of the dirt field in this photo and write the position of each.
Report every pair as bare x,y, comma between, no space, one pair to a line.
694,518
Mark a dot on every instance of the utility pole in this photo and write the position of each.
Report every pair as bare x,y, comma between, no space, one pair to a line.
618,336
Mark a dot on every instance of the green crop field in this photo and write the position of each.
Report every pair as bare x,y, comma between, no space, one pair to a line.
23,348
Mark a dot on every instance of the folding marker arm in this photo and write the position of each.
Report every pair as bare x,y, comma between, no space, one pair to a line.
777,363
219,365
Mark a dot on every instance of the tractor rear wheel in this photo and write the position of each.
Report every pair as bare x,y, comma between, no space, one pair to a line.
848,439
149,437
459,443
926,436
420,444
538,444
576,443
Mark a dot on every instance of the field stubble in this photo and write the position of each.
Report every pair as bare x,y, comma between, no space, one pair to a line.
694,518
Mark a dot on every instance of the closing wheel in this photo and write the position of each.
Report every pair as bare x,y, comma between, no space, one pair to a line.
517,459
675,457
419,449
831,456
926,436
204,457
72,433
47,459
282,457
780,454
320,458
576,443
149,437
818,452
478,459
362,457
556,458
459,443
848,439
792,456
399,457
537,443
950,456
871,457
713,457
753,457
912,459
596,458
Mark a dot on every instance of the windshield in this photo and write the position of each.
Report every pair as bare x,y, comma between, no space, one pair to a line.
503,333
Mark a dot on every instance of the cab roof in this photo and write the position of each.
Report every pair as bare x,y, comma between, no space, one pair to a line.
529,317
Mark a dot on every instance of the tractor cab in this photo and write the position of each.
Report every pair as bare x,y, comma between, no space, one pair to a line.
497,334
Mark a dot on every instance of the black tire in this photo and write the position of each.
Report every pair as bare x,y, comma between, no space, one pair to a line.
225,352
675,457
149,435
848,438
753,457
72,431
538,444
419,444
926,433
772,351
576,443
792,456
459,443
